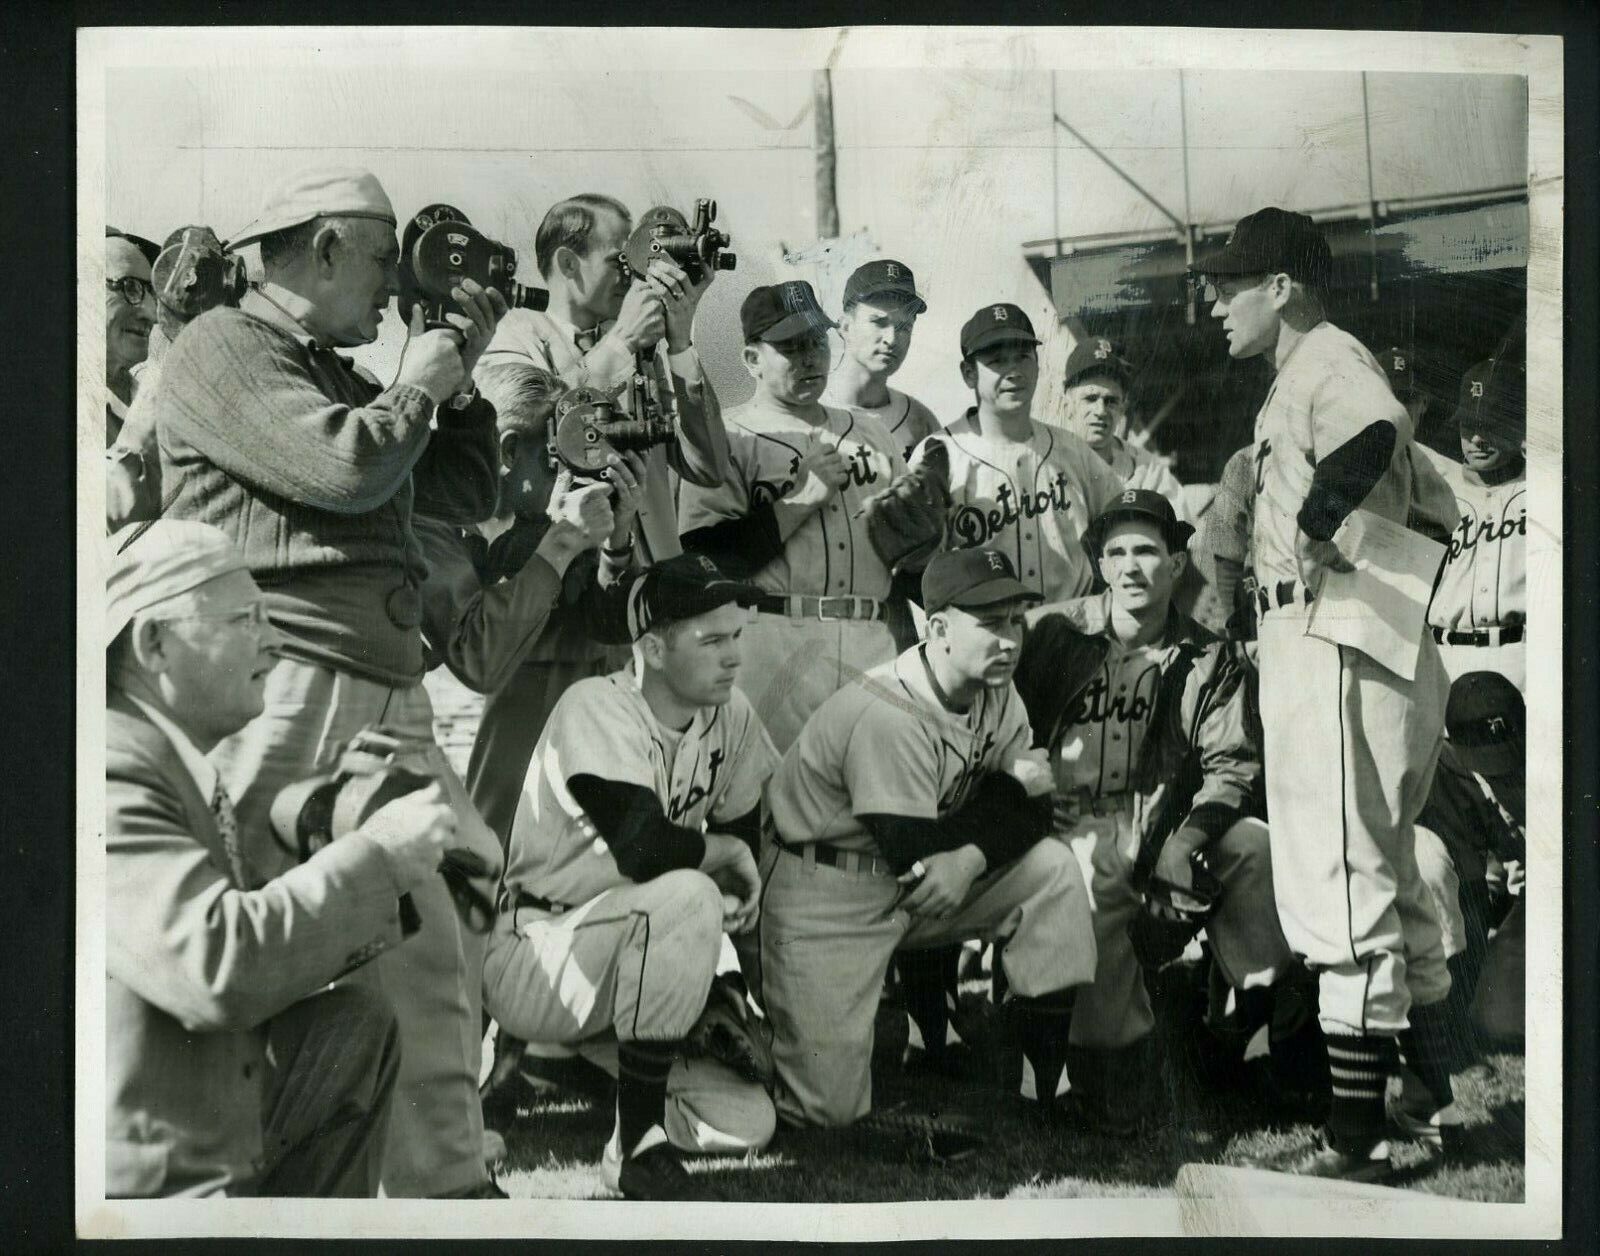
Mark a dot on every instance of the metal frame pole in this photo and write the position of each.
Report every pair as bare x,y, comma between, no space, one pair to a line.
1372,194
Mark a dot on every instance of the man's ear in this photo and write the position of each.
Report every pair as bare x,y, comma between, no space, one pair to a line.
752,360
1281,288
969,373
1180,561
652,648
510,443
564,262
148,646
324,243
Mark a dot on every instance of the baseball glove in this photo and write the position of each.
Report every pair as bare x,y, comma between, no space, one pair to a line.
726,1031
906,521
1172,915
921,1139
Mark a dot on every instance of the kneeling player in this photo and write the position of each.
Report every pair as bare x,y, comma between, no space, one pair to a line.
1143,714
630,854
909,815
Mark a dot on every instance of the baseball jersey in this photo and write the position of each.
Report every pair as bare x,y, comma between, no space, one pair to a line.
1329,390
1030,500
1106,724
903,417
886,745
1483,583
830,554
602,726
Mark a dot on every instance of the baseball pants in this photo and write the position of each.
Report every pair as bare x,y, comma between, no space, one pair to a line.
434,980
1510,661
1442,882
1247,942
826,936
792,666
632,964
1350,750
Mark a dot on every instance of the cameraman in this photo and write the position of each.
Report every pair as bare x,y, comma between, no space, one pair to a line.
314,470
598,322
207,966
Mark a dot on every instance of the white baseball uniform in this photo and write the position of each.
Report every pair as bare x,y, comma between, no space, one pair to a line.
1031,500
795,659
1350,747
1141,468
903,417
1482,595
579,948
830,921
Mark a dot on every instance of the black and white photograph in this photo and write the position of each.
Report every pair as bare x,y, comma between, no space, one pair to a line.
957,627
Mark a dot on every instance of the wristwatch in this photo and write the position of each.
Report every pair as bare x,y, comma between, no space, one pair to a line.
462,400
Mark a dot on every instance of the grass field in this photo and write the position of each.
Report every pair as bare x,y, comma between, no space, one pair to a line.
554,1149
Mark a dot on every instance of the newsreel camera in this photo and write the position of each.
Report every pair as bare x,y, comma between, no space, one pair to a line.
439,249
587,426
664,232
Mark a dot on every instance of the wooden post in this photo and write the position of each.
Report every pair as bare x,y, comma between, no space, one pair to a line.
827,189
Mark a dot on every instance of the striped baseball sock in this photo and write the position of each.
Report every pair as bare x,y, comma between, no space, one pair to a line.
1359,1064
1428,1047
642,1069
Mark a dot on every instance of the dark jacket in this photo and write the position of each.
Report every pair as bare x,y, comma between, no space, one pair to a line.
1198,766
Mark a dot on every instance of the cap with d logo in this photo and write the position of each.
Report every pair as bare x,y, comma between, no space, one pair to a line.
994,325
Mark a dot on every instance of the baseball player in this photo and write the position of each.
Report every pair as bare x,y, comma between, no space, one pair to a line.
789,516
881,305
630,854
910,814
1222,550
1480,606
1350,746
1143,714
1017,485
1096,403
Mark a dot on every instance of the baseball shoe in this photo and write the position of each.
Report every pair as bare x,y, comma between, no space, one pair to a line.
1441,1130
494,1147
654,1171
1327,1161
1091,1116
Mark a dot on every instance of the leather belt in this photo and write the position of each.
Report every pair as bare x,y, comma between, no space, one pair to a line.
826,609
838,857
524,899
1479,636
1103,805
1269,597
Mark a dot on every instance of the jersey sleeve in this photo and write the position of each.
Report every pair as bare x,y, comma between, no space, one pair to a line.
1346,402
754,761
889,763
593,731
1014,735
701,507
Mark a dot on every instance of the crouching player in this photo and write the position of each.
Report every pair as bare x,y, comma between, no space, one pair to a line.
1144,716
909,814
630,854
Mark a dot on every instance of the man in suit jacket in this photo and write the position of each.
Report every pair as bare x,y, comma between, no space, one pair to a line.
232,1067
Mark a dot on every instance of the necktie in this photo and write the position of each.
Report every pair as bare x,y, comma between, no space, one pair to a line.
228,827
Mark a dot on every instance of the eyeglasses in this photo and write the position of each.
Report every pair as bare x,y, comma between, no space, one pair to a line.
252,616
133,289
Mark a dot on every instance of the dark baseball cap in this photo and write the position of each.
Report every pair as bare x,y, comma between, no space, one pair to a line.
971,578
1485,718
884,279
1400,366
1494,400
1096,353
995,325
1271,241
680,588
1139,503
782,311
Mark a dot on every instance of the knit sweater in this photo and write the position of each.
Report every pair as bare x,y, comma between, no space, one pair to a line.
313,470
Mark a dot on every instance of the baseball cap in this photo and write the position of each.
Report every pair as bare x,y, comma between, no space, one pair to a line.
1269,241
680,588
970,578
154,562
1494,400
782,311
1401,369
995,325
885,278
318,193
1484,717
1139,503
1096,353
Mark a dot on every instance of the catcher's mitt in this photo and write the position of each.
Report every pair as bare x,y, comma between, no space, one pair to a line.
906,521
926,1139
1173,914
727,1031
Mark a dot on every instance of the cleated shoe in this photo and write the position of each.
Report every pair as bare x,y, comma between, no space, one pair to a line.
1327,1161
1440,1129
654,1171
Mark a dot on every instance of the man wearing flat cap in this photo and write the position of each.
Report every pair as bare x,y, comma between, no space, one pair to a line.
1097,381
1480,607
231,1066
789,517
1330,438
313,470
631,855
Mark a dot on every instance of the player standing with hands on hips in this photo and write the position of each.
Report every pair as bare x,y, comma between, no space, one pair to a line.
1350,747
